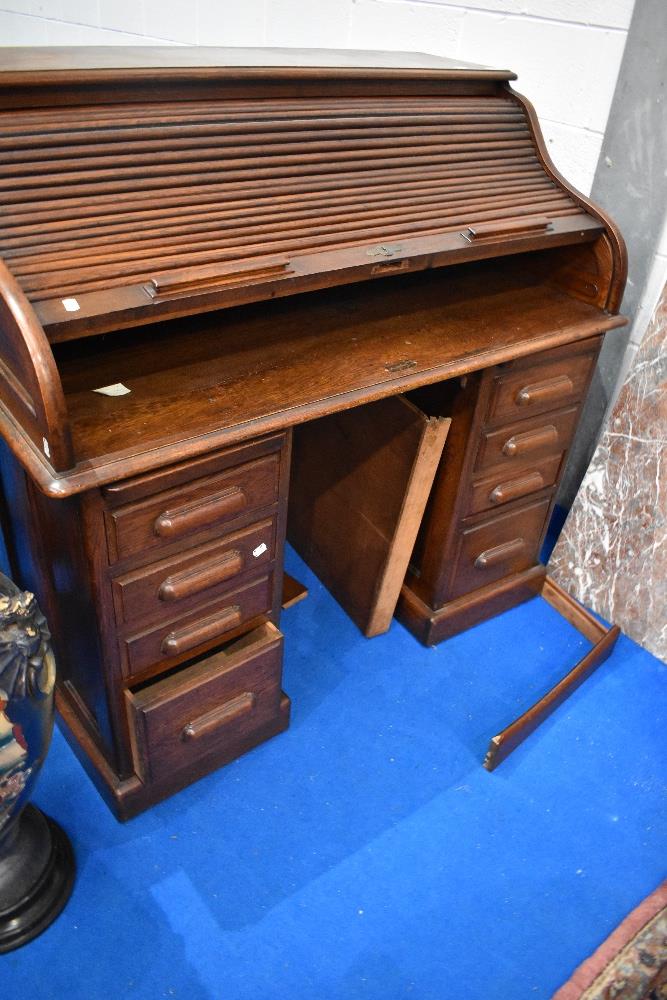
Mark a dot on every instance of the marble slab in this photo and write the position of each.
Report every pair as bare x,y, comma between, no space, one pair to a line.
612,553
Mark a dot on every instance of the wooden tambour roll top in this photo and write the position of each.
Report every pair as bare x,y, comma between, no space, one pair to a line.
142,186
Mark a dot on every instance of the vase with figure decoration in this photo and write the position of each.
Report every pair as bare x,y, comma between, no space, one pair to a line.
36,861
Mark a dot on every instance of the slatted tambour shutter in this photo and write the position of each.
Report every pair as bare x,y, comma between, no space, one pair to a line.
94,198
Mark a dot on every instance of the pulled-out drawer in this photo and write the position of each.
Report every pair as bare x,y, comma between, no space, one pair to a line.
181,583
504,544
527,441
504,487
552,383
202,628
204,503
210,712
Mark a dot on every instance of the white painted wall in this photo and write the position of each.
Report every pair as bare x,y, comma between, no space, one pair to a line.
651,293
567,52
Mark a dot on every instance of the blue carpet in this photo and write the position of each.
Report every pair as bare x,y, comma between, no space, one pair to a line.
365,853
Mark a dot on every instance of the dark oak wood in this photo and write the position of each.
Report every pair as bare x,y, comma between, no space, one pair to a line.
293,591
204,249
533,439
360,482
159,592
603,639
498,547
611,254
494,492
86,272
127,796
433,625
259,369
502,487
22,65
31,393
208,709
547,386
177,514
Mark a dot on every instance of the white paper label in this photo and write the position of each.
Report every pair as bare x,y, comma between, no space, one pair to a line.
260,550
71,305
117,389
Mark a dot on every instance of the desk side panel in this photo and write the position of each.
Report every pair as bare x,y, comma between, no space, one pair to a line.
47,549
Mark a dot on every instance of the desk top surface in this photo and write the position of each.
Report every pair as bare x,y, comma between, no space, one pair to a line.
20,63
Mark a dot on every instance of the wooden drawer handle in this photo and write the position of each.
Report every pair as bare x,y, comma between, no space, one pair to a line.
519,227
515,488
210,721
519,444
499,554
205,277
204,630
200,513
181,585
544,392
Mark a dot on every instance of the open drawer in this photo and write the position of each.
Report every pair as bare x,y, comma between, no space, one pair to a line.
209,712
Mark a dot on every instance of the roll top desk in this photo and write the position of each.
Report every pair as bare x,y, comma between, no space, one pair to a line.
210,258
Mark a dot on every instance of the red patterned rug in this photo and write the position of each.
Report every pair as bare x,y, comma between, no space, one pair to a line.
632,962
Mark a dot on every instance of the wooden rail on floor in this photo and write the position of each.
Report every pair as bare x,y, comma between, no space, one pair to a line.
603,639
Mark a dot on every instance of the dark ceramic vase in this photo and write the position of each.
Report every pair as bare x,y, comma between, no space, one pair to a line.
36,861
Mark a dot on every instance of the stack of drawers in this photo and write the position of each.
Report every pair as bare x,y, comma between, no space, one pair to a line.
531,415
192,580
478,538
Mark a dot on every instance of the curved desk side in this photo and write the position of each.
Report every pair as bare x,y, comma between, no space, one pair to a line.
608,256
33,413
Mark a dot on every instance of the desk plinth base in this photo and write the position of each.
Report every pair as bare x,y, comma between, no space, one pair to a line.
433,625
603,640
127,797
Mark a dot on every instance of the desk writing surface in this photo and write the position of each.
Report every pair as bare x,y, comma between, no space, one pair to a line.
263,367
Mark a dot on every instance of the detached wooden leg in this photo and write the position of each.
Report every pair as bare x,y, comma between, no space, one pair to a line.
604,639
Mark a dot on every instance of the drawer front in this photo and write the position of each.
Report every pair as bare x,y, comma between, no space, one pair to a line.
498,547
205,627
542,387
178,514
498,489
527,441
213,710
164,590
183,473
